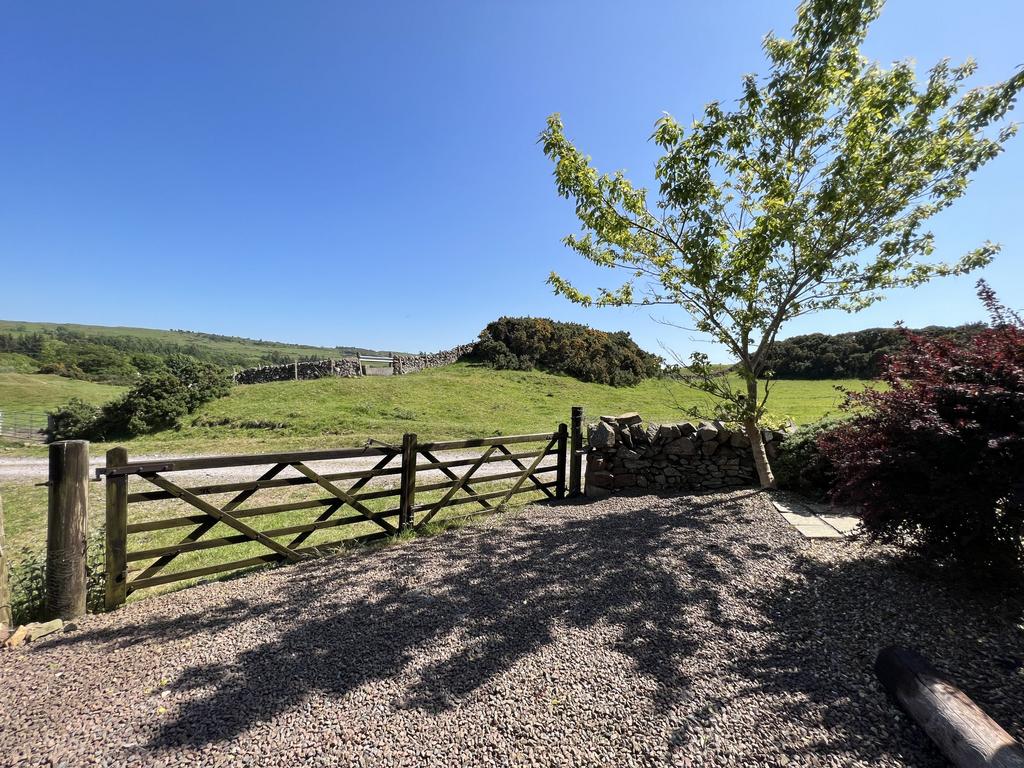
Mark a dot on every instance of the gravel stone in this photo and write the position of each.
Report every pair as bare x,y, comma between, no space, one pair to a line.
694,630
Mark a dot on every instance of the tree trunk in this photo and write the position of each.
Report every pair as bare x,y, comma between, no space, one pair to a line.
764,469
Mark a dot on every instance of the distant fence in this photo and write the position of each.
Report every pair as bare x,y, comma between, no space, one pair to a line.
23,425
146,502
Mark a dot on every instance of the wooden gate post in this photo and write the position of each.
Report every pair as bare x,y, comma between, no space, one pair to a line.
563,445
66,525
576,452
6,619
116,532
407,495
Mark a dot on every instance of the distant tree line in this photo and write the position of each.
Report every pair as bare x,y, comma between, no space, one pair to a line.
525,343
856,355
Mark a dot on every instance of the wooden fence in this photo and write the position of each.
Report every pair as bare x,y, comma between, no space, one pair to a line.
224,515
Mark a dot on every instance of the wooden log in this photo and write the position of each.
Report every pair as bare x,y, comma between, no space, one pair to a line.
116,532
576,452
6,618
962,731
66,525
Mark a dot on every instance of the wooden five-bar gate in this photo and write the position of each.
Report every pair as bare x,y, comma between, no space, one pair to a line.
381,490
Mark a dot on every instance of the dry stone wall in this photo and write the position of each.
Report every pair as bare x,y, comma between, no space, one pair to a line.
347,367
410,363
310,369
623,454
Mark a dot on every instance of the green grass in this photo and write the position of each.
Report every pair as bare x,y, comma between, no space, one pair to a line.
13,362
457,401
39,392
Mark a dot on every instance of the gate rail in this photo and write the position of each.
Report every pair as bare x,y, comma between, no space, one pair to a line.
212,519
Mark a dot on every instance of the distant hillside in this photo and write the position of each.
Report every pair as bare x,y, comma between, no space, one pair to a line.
856,355
118,354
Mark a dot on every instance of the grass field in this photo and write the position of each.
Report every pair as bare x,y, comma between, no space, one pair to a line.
456,401
39,392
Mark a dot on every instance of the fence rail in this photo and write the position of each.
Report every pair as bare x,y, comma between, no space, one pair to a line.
24,425
380,491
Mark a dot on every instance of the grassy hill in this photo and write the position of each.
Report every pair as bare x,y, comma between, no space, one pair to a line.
453,402
40,392
230,349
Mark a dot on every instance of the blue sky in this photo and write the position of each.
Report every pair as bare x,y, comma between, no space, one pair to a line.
343,173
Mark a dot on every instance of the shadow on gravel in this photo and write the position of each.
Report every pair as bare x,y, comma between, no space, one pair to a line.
659,573
831,617
503,591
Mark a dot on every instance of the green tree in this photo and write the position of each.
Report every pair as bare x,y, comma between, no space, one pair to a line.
811,194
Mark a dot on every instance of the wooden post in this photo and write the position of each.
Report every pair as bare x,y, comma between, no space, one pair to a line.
66,526
576,452
962,731
296,369
6,618
407,497
116,532
563,445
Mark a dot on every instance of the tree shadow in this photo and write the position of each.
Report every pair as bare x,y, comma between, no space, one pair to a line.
490,596
830,619
664,578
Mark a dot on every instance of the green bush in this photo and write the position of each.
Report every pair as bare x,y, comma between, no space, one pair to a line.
157,401
202,381
800,466
77,420
28,581
524,343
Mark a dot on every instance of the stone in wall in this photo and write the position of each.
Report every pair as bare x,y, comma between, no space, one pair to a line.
623,454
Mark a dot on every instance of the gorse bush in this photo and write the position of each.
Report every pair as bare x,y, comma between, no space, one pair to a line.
76,420
157,401
936,462
28,581
525,343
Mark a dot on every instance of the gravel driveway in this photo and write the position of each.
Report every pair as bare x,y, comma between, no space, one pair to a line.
635,631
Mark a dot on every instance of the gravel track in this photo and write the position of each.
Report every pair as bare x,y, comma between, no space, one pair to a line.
32,470
635,631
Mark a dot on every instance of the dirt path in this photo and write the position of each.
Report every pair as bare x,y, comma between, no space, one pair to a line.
636,631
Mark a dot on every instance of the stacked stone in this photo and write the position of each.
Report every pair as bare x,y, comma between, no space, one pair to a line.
310,369
624,454
410,363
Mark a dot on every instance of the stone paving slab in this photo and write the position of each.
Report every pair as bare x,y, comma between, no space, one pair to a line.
807,523
845,524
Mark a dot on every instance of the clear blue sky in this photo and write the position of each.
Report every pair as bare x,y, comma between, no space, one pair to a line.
342,173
